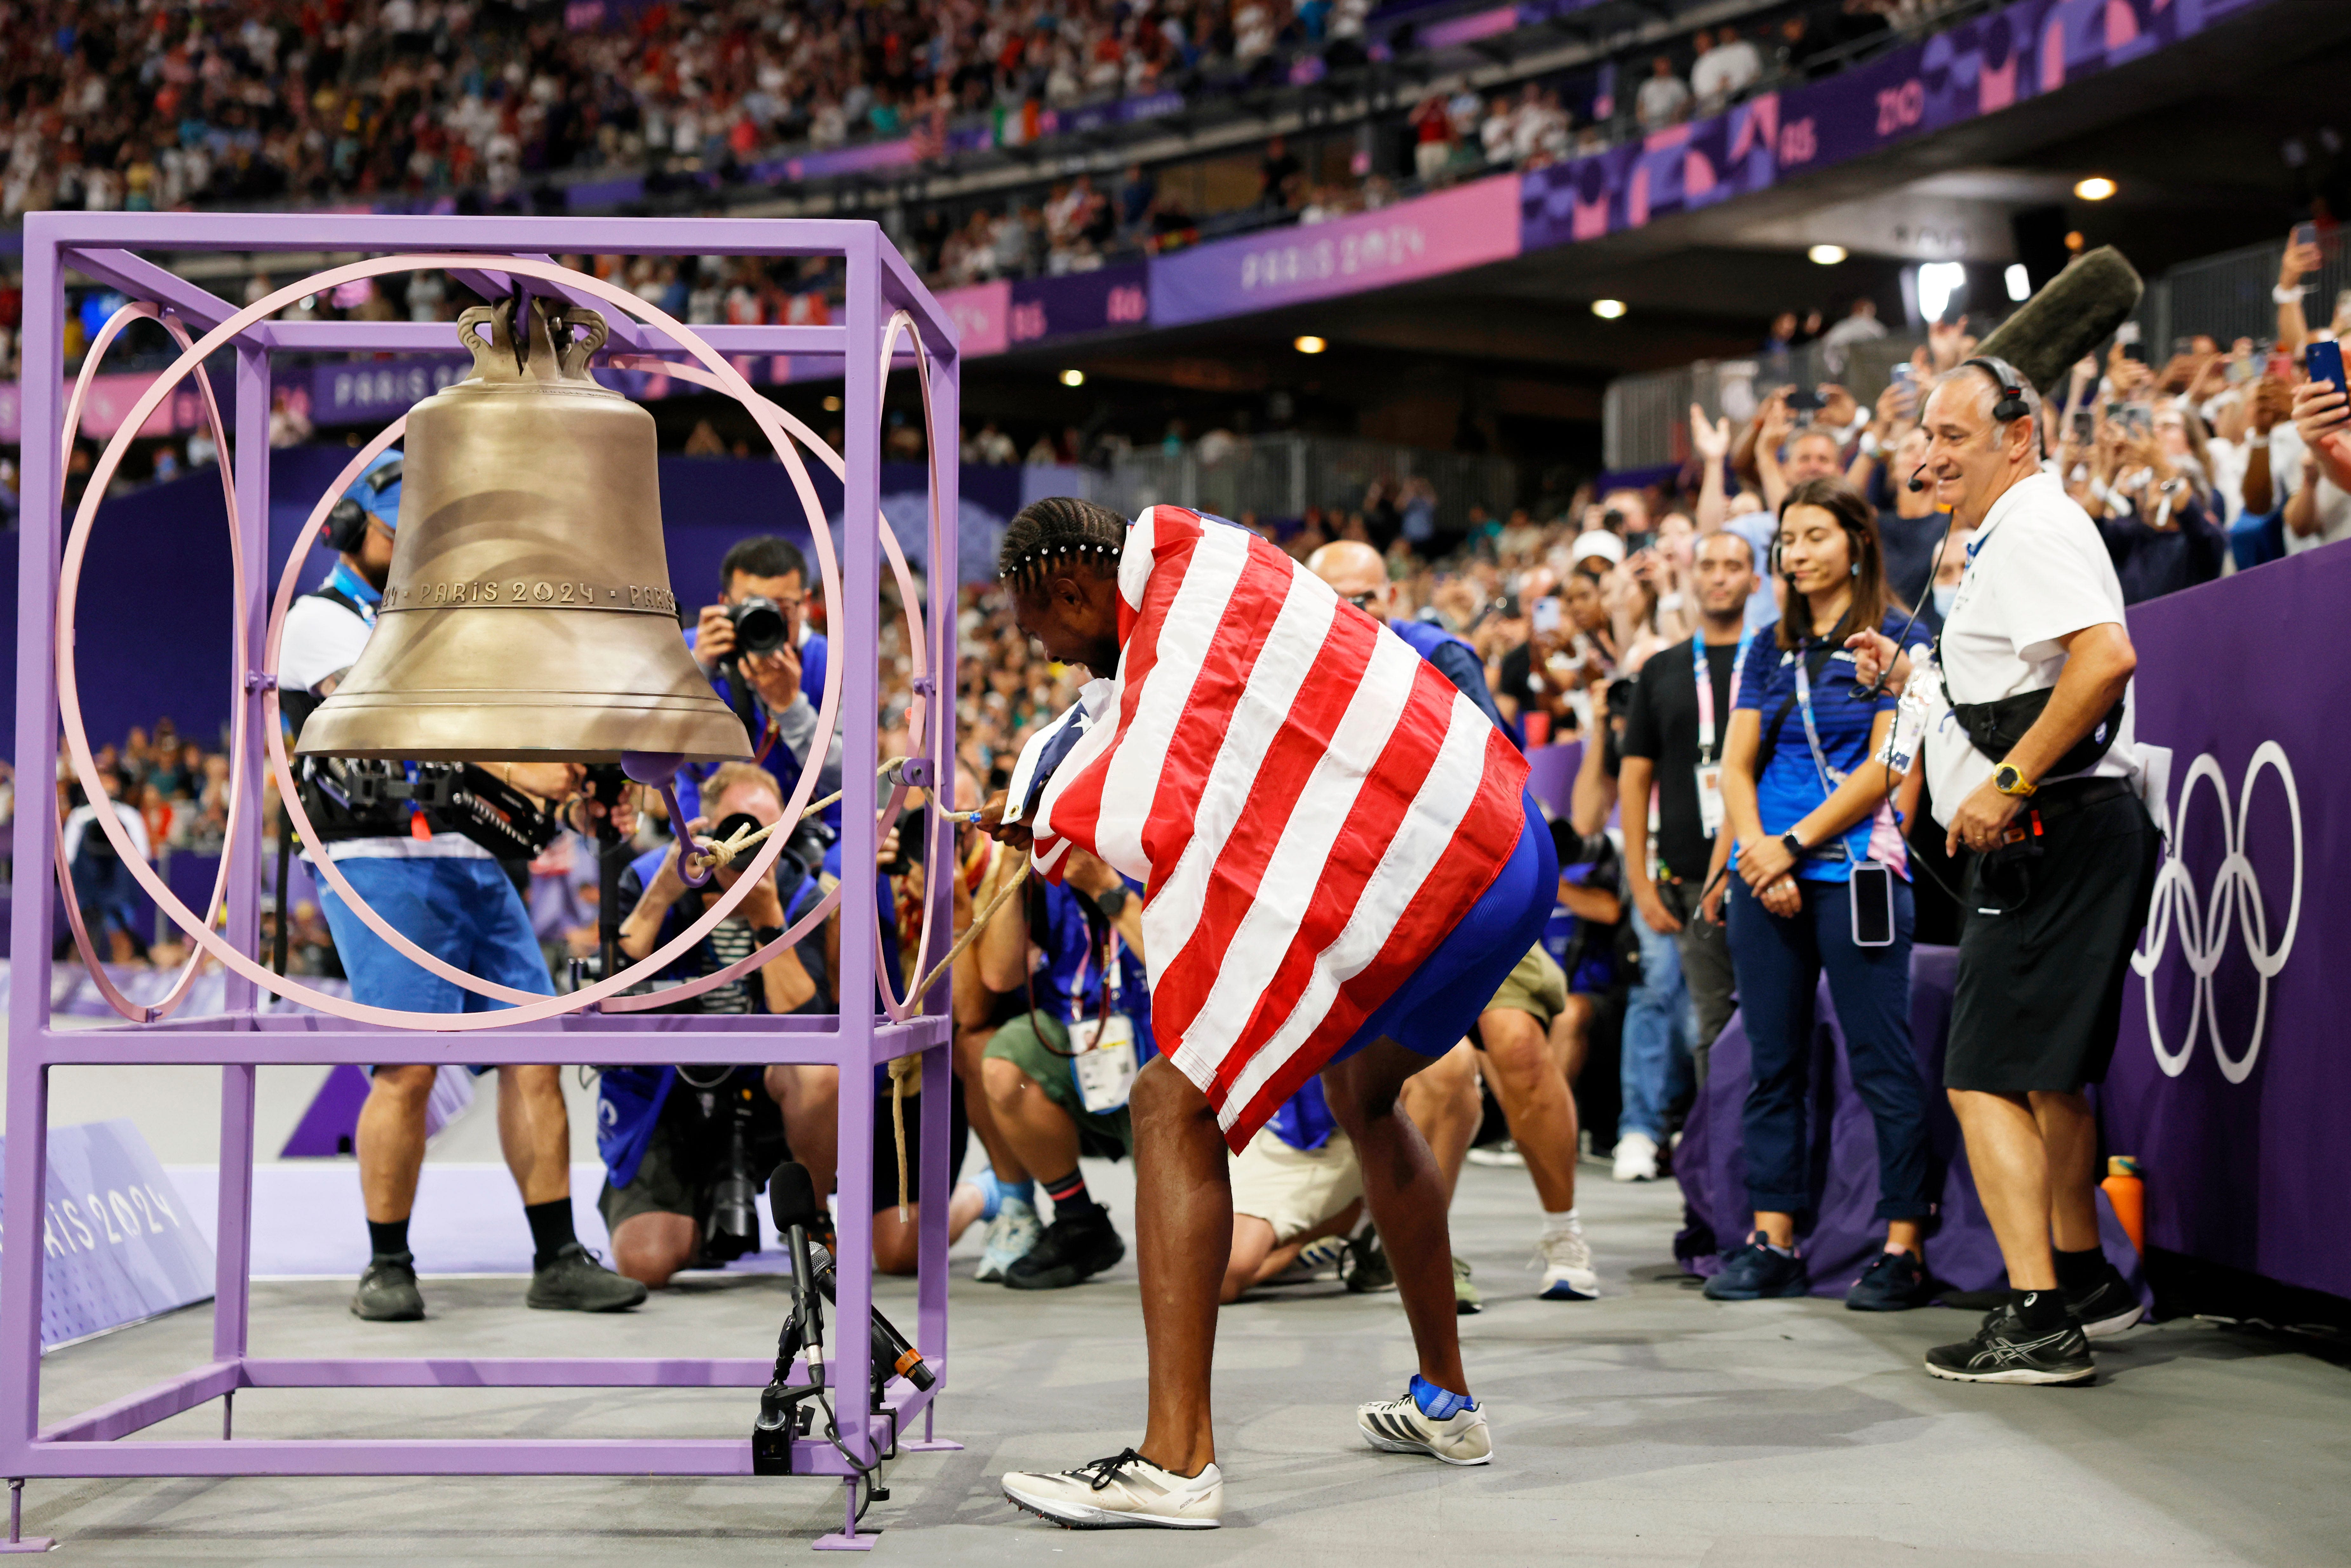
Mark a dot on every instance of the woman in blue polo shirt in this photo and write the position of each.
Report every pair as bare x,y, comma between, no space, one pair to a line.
1805,801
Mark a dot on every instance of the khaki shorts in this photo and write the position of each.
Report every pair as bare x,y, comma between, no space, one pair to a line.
1536,987
1105,1136
1295,1190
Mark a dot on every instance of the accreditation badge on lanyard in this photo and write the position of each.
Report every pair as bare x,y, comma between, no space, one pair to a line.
1709,743
1829,775
1104,1063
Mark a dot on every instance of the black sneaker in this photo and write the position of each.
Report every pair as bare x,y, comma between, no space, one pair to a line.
2005,1351
578,1281
388,1292
1894,1281
1757,1272
1073,1249
2108,1307
1367,1268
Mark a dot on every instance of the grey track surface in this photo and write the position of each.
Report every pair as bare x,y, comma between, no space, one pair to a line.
1651,1426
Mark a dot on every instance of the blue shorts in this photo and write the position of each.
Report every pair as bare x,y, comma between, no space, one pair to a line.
1434,1010
463,912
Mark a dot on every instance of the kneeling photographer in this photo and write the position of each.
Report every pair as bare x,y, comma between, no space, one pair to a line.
686,1149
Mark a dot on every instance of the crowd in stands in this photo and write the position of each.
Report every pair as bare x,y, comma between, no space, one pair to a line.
318,102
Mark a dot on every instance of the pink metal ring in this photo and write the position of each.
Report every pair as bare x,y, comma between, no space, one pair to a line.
77,740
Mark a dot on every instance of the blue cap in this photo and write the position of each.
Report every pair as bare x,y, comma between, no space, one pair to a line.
377,489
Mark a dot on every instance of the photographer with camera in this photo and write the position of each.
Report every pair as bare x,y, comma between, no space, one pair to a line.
755,647
678,1142
394,832
1057,1072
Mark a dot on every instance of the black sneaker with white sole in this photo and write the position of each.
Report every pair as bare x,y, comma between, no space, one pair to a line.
1078,1245
2108,1307
388,1292
2008,1349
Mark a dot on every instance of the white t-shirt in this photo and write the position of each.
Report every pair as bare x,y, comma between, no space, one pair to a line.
2333,508
1724,70
323,638
83,820
2039,572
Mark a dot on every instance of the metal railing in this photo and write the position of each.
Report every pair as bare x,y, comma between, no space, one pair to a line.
1644,416
1282,475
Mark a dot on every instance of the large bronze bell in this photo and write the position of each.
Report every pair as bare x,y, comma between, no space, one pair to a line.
527,615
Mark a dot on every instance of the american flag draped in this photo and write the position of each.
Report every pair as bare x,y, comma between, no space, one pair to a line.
1312,805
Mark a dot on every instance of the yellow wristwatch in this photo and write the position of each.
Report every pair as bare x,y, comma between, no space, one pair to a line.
2008,781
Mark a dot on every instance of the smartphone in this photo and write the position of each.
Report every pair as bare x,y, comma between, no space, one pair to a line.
1546,617
1873,904
2326,363
2139,419
2085,423
2127,336
2305,233
1801,401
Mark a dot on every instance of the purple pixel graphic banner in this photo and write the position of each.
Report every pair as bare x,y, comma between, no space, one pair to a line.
118,1244
1980,67
2231,1083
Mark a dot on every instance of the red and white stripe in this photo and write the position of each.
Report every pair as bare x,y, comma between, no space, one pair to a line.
1312,806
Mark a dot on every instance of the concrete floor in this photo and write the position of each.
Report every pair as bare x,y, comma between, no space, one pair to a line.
1651,1426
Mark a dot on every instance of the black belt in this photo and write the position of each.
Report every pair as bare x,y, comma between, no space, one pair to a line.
2057,801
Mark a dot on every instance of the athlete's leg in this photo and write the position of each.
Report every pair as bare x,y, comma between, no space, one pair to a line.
1183,1227
1406,1195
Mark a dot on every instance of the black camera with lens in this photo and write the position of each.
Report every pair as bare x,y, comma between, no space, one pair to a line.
760,625
735,1136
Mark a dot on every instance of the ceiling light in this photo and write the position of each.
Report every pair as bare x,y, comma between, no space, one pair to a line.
1308,344
2073,240
2096,188
2020,283
1938,283
1608,309
833,404
1073,377
1826,255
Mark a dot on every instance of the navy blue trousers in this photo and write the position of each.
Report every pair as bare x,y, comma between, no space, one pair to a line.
1779,962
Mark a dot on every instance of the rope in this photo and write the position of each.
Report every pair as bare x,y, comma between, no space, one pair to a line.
904,1068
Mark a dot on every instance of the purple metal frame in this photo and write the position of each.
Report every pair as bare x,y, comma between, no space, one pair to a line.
103,247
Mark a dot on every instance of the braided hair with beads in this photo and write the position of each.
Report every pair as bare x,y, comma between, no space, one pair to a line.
1059,533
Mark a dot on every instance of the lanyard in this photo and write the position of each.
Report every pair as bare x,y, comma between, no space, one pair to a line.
1830,777
362,594
1709,747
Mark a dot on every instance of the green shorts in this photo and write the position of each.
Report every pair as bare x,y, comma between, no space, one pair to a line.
659,1186
1536,987
1105,1136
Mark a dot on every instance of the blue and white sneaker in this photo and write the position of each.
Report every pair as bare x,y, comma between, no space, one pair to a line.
1318,1259
1011,1235
1756,1272
1457,1437
1568,1273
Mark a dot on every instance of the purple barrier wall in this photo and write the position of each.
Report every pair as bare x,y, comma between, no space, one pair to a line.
2232,1082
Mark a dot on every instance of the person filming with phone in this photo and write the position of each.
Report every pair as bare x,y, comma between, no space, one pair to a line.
1820,885
2027,729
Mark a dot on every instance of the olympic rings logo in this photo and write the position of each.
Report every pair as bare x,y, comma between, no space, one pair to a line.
2236,898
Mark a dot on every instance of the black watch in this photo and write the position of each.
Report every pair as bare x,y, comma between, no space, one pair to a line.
1795,845
1112,901
762,935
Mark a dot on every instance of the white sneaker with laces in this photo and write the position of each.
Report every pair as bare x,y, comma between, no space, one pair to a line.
1397,1427
1010,1235
1125,1492
1566,1259
1637,1157
1315,1260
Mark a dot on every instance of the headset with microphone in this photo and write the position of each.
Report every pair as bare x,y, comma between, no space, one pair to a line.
345,528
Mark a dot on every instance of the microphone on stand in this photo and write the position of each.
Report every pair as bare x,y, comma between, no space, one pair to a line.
793,1205
784,1406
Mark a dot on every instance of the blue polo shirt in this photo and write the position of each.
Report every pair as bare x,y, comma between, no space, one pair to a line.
780,760
1790,784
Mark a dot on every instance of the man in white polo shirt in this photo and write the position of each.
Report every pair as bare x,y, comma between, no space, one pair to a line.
2030,756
